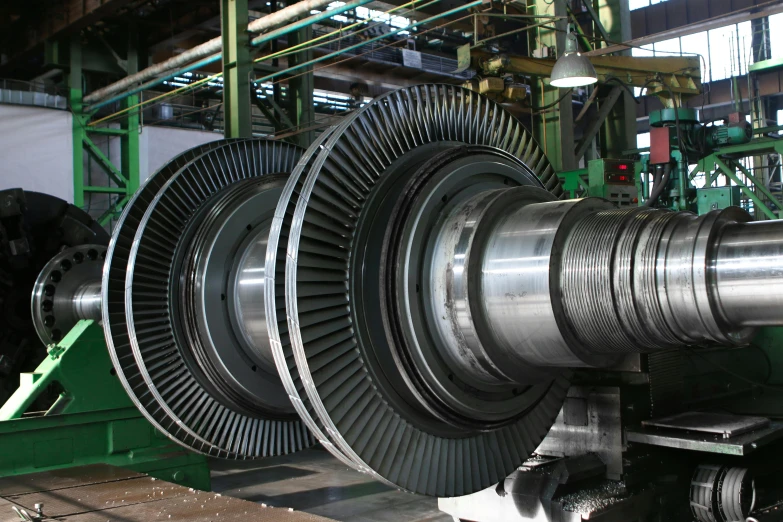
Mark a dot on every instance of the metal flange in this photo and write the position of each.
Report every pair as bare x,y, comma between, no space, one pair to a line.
172,381
351,176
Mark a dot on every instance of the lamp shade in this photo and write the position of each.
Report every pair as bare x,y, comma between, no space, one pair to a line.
572,69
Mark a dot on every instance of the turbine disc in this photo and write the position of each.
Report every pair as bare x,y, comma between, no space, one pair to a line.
160,368
339,379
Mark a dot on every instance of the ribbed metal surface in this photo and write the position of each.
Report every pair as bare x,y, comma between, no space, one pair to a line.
137,308
332,183
703,495
609,277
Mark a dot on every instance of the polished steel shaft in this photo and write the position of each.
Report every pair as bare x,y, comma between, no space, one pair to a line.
87,301
521,283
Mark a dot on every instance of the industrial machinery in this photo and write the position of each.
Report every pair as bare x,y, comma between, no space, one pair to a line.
414,293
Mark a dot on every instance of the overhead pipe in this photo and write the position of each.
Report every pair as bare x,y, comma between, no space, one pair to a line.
207,49
257,41
289,70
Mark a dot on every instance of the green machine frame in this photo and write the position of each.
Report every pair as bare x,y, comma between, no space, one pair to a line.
91,421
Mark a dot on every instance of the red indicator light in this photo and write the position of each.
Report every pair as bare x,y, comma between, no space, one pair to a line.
622,167
623,178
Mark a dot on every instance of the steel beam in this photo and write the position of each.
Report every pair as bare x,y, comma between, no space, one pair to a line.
553,122
129,141
79,123
695,20
595,124
237,66
54,20
300,90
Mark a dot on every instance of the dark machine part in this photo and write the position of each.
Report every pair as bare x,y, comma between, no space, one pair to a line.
34,228
488,288
722,494
414,293
189,248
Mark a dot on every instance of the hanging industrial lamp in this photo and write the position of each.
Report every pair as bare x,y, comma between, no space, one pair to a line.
572,69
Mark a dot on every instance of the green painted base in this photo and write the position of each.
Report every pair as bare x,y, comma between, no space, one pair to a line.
118,437
92,422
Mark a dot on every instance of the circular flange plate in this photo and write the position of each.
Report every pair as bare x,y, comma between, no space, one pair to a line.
137,304
52,303
318,213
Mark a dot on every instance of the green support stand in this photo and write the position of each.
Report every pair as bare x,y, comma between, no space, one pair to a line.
123,182
93,421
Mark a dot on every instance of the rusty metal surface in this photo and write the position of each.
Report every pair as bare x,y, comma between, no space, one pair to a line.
198,507
63,478
103,493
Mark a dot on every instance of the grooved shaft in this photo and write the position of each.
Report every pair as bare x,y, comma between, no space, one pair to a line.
640,280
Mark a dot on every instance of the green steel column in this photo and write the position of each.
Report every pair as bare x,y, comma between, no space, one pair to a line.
129,141
553,117
79,119
618,132
300,90
237,66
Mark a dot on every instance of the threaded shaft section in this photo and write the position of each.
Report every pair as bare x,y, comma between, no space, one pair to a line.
623,285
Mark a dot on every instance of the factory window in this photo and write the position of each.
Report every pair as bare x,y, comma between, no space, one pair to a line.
776,35
638,4
643,140
730,50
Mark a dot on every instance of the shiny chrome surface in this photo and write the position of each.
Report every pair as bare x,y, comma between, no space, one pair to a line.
450,299
641,280
67,290
248,294
87,301
224,254
517,296
748,271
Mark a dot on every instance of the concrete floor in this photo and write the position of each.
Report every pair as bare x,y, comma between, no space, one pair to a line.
315,482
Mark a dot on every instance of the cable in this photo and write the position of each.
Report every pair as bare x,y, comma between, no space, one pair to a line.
539,110
284,52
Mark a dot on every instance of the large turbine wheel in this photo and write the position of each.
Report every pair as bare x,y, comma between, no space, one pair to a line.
354,248
183,301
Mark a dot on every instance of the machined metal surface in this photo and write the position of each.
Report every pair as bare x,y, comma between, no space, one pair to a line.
149,315
410,291
738,445
748,268
378,430
725,425
590,422
68,290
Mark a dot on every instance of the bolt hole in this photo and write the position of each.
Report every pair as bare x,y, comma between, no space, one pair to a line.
103,254
92,254
57,335
249,227
49,321
417,288
56,276
78,257
47,306
451,376
254,368
49,290
112,372
222,297
444,198
65,265
505,182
